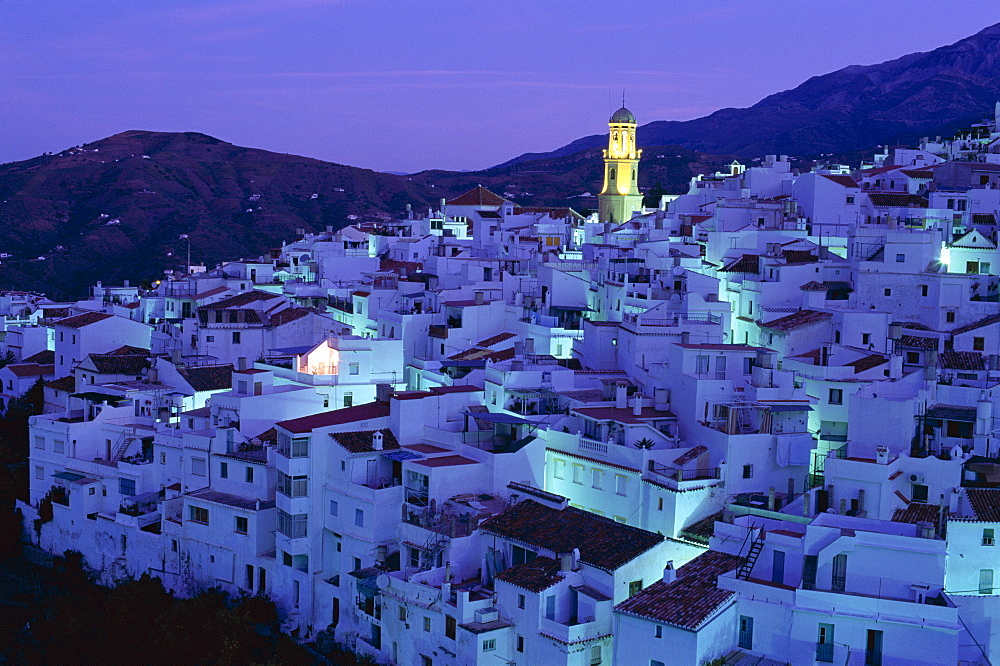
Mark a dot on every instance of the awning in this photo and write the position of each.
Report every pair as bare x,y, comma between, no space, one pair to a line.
498,417
400,455
789,407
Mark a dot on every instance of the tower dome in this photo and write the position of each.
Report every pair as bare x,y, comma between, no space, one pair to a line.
623,115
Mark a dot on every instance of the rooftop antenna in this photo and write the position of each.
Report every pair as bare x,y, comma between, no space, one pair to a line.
623,98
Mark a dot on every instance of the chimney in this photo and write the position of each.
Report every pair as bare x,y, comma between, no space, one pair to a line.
377,440
381,553
770,498
661,399
637,405
805,505
565,562
383,392
669,573
479,298
621,397
925,529
882,454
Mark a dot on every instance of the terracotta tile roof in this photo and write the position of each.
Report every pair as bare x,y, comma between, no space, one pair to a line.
360,441
371,410
210,292
690,455
984,218
120,364
130,350
985,503
813,286
208,377
539,574
622,415
288,315
702,530
963,360
841,179
31,370
992,319
239,300
478,196
55,313
496,339
897,200
917,173
446,461
603,543
62,384
85,319
917,512
236,501
799,256
951,413
798,319
867,363
690,599
918,342
45,356
748,263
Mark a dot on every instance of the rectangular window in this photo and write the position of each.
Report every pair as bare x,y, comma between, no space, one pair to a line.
778,567
836,396
353,368
988,539
866,338
978,344
919,492
520,643
873,648
887,291
450,627
621,484
598,478
595,655
949,317
359,517
578,471
838,582
209,338
558,468
126,487
236,337
249,474
163,458
489,645
634,587
520,601
40,443
292,486
900,257
293,447
242,524
198,514
199,466
348,399
292,526
923,290
223,470
334,507
702,364
809,565
747,471
986,581
40,473
824,643
427,624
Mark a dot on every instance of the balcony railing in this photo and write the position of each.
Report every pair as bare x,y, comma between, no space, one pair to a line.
592,445
697,474
824,652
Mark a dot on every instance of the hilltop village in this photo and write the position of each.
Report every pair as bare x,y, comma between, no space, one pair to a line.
757,422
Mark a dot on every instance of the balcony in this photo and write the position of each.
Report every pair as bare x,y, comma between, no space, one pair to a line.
674,477
573,630
589,445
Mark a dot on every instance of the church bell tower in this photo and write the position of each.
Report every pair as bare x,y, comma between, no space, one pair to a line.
620,195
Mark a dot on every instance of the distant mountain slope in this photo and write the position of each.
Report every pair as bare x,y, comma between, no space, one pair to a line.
854,108
114,209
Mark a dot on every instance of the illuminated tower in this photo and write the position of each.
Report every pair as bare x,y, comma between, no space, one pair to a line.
620,195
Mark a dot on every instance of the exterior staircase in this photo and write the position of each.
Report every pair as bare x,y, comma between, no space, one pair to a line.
743,573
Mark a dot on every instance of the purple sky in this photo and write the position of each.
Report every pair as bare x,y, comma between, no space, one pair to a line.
416,84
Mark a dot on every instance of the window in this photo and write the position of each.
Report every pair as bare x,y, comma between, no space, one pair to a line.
199,466
949,317
489,645
249,474
209,338
959,429
223,470
348,399
986,581
634,587
40,443
747,471
598,478
621,484
838,582
334,507
578,471
293,447
824,643
353,368
292,486
659,503
520,643
427,624
873,648
658,631
836,396
888,292
359,517
595,655
292,525
357,563
866,338
923,290
236,337
199,514
242,524
978,344
702,363
520,601
900,257
778,567
919,492
450,627
988,539
126,486
912,357
40,473
559,468
809,565
402,613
